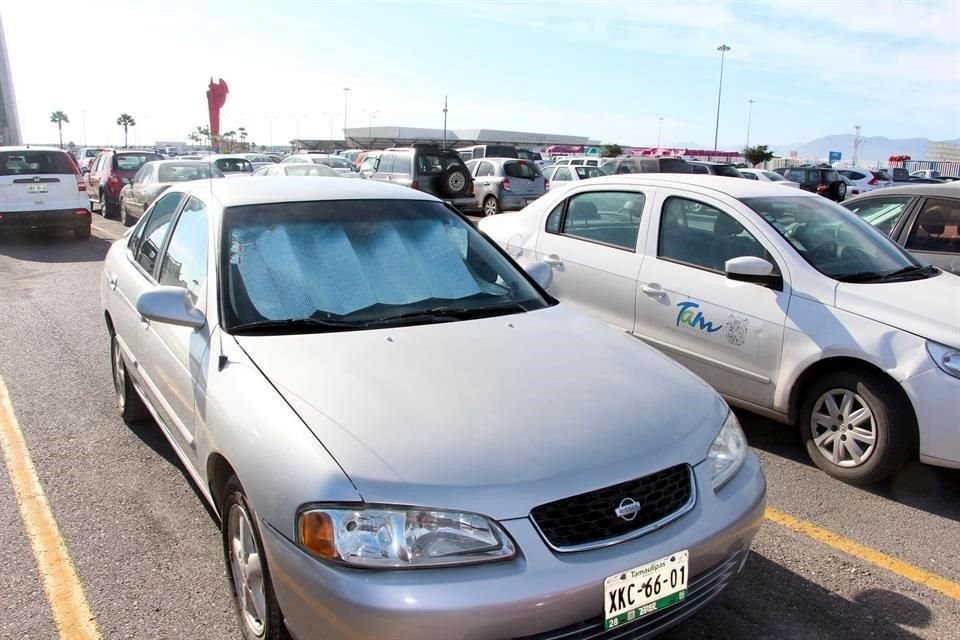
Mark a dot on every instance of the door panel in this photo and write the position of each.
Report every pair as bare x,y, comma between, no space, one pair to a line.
591,243
730,333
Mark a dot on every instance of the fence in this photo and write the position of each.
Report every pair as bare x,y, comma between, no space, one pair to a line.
945,168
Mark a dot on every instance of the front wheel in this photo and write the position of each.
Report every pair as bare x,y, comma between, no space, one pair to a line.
490,206
260,616
857,427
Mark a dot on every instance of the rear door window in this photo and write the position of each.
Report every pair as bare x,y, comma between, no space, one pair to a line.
701,236
937,228
35,162
484,169
154,230
402,164
521,170
611,218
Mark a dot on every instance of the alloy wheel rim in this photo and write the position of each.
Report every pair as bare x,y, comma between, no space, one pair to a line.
119,372
247,570
844,428
490,207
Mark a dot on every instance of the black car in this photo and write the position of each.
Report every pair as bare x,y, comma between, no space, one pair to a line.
427,168
824,181
714,168
645,165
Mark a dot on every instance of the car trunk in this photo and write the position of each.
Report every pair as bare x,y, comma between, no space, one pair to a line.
36,180
525,178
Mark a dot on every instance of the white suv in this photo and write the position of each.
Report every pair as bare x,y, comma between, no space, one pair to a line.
41,188
788,304
867,179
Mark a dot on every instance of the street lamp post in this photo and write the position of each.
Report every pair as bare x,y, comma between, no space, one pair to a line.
749,117
331,116
716,132
371,116
659,131
444,122
346,92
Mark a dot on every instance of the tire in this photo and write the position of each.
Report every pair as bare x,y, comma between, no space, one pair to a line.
453,182
888,423
490,206
82,232
839,191
132,409
262,621
106,209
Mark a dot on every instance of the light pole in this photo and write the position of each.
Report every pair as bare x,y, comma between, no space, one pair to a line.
371,116
444,122
659,131
749,117
346,92
716,132
331,116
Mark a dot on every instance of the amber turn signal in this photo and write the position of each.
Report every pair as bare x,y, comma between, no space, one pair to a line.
316,534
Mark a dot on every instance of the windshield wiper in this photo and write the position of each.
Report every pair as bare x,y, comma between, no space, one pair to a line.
294,325
449,314
899,274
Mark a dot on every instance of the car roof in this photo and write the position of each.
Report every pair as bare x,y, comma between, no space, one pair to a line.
733,187
276,189
32,148
921,189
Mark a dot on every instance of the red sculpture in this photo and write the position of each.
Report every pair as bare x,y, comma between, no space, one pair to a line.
216,97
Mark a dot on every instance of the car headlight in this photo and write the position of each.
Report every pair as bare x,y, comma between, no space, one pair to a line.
727,453
946,358
401,537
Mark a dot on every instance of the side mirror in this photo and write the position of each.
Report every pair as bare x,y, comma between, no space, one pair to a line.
84,171
754,270
541,272
170,305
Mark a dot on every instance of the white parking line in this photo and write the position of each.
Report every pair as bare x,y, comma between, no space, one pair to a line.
106,232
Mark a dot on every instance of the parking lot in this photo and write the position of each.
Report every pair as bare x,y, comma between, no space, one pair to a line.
831,560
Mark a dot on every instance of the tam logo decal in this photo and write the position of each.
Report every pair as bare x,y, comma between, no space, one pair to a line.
690,317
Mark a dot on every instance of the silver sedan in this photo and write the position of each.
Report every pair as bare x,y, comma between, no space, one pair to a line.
404,435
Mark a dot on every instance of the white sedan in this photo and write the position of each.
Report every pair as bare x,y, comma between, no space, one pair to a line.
787,303
762,175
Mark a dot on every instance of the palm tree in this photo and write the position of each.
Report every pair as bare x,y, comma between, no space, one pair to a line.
58,118
126,121
243,137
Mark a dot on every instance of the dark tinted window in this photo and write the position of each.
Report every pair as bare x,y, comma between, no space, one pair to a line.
499,151
673,165
700,235
154,230
185,263
750,176
627,166
853,175
523,169
17,163
937,227
727,171
484,169
234,165
133,161
436,163
830,176
699,168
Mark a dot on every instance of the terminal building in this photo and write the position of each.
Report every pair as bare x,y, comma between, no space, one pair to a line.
9,123
385,137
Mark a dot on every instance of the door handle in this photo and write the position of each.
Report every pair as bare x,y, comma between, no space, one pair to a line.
112,280
553,260
653,290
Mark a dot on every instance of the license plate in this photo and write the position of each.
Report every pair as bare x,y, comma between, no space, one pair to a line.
36,188
646,589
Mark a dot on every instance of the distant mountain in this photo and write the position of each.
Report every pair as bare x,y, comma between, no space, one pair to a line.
874,148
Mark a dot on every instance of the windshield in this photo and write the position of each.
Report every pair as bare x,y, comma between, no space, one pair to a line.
727,171
834,241
774,177
255,158
335,163
186,171
133,161
310,170
17,163
355,263
234,165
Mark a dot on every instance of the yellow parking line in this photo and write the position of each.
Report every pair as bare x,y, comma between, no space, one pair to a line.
930,580
64,592
106,233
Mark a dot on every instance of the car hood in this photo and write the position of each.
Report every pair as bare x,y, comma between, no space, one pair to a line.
494,415
929,308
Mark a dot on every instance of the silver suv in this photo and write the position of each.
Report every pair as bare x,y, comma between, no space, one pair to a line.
428,168
505,184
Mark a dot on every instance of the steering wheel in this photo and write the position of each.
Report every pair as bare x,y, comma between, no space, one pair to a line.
855,255
823,251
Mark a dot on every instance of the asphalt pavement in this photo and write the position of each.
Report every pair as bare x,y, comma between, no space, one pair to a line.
147,551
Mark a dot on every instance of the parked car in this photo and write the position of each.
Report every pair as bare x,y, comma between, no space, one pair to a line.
558,175
478,151
156,177
900,175
505,184
925,173
579,161
723,169
823,181
85,156
258,160
368,162
428,168
632,164
305,169
113,169
344,167
41,188
762,175
232,166
428,340
866,179
925,219
788,304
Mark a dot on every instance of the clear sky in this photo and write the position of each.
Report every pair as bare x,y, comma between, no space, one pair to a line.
608,70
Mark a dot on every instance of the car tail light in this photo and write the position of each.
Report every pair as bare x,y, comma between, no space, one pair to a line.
113,179
470,191
505,183
822,189
81,185
546,184
81,212
415,185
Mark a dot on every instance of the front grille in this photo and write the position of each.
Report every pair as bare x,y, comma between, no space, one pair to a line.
702,589
590,519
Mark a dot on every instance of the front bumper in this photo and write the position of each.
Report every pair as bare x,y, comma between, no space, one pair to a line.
935,396
541,595
52,219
